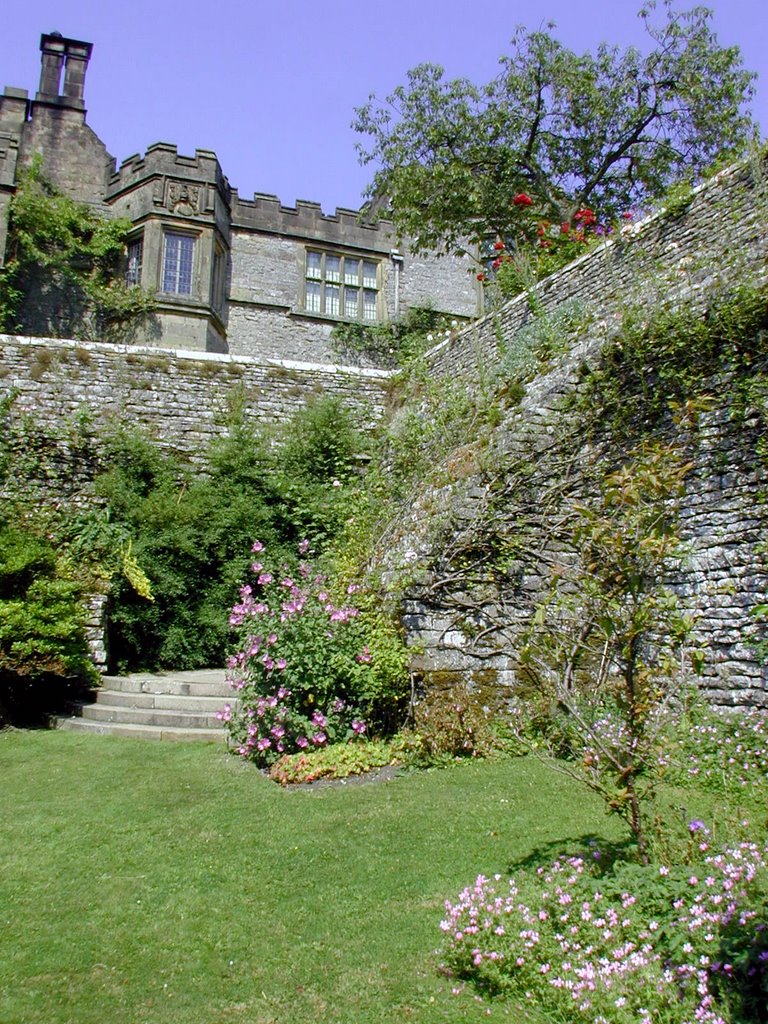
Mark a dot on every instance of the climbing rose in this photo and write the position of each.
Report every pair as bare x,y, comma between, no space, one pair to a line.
521,199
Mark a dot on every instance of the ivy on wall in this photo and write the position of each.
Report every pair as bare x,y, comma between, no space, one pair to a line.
64,269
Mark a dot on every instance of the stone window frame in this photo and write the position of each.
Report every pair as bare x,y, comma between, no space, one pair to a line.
329,271
179,273
219,277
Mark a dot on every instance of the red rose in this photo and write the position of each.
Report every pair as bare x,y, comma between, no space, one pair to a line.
496,264
565,228
481,277
498,246
521,199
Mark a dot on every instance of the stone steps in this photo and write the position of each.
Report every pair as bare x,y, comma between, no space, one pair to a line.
161,706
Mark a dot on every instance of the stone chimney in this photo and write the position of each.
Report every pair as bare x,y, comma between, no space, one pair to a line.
71,55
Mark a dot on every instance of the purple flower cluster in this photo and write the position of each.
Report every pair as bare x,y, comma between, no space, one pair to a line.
592,953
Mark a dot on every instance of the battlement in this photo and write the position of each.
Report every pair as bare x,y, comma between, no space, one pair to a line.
306,220
163,158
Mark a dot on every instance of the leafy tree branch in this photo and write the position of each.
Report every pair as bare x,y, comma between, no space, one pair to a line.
613,129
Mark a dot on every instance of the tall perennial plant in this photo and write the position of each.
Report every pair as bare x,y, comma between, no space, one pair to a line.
305,673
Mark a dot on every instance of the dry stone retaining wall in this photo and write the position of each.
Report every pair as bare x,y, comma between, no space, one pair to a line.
180,398
717,242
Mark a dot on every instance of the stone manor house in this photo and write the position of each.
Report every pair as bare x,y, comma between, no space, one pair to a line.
250,277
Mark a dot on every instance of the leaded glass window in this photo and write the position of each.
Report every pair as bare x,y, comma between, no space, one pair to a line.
341,286
178,257
135,260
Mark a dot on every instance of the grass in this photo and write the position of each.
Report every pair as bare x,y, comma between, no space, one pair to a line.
155,884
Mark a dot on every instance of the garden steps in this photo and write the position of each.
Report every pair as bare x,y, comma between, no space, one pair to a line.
158,706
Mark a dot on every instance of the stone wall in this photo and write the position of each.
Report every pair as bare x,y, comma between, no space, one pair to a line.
180,398
507,490
716,240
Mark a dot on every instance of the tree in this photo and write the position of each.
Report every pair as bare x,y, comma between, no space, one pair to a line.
65,268
556,131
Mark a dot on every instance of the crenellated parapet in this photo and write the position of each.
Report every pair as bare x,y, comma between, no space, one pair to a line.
163,182
267,215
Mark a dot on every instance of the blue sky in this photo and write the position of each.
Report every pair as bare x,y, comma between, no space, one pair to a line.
272,87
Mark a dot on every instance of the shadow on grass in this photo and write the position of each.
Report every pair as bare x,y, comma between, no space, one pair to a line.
604,853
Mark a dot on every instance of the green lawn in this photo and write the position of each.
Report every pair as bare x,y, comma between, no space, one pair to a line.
145,883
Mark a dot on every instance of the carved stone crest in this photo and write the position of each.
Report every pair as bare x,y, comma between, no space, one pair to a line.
182,198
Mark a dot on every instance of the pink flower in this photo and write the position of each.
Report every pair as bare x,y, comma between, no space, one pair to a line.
358,727
302,742
264,578
257,546
303,547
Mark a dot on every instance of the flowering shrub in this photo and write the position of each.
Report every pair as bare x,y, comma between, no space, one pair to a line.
721,751
643,944
306,672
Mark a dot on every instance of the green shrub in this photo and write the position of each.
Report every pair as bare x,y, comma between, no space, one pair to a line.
450,723
396,343
189,534
315,469
42,624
